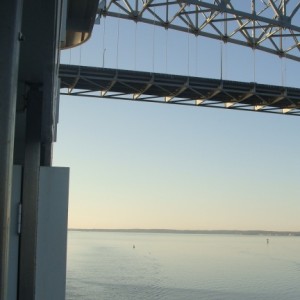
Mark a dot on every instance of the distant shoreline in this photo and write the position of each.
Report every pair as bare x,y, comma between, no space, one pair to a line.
174,231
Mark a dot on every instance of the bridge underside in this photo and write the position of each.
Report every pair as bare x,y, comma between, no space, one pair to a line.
176,89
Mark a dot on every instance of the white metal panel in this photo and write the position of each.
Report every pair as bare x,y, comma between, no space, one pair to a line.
52,233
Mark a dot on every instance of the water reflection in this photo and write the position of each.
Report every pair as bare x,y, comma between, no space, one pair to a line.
181,266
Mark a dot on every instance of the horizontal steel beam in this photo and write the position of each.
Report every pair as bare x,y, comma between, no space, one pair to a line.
176,89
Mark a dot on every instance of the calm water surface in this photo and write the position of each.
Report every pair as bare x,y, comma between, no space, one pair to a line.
104,265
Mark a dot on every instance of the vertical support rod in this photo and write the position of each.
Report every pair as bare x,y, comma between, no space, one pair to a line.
10,24
31,170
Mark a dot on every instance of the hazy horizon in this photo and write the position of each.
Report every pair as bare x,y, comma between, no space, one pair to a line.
142,231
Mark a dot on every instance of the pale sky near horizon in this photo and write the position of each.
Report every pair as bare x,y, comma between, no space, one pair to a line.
142,165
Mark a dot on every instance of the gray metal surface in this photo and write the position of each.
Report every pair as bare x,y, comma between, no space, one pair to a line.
39,60
175,89
10,24
30,190
37,96
14,234
271,26
52,234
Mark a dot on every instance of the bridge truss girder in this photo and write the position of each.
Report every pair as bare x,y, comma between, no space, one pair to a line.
177,89
267,25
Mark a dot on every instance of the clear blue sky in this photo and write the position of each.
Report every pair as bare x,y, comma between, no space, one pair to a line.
139,165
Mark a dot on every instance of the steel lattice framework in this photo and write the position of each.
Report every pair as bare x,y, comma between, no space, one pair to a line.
266,25
177,89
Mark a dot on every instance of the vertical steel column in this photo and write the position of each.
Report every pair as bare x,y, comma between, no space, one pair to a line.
38,62
10,24
30,192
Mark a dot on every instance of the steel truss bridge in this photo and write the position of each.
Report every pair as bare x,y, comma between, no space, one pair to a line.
265,25
176,89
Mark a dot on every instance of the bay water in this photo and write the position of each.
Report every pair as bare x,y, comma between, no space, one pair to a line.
132,266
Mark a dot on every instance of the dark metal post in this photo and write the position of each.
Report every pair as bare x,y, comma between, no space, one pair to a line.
10,24
38,62
31,169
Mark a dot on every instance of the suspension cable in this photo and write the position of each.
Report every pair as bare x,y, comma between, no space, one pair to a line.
167,36
253,9
103,43
80,49
153,44
135,45
221,59
70,56
283,70
225,60
254,65
118,35
283,67
196,40
188,44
